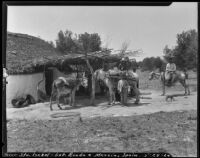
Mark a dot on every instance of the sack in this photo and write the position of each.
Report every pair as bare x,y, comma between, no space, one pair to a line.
23,102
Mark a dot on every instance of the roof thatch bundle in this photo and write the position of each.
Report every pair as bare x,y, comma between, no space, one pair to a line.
96,59
28,54
24,53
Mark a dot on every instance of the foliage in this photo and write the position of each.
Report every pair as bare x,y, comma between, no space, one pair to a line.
90,42
152,63
185,51
67,42
72,43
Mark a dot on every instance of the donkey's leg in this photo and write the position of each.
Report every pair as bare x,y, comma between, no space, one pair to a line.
51,102
163,88
70,100
183,83
58,101
125,94
122,97
187,87
73,97
52,95
113,97
110,96
137,92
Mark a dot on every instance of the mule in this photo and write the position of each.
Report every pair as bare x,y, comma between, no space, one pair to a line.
179,76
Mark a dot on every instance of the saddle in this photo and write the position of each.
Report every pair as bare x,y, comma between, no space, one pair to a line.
169,81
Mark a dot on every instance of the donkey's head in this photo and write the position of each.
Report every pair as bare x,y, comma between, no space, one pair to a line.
100,74
151,75
83,80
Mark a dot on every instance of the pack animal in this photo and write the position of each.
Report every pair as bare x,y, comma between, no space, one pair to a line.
120,86
103,76
178,77
123,86
61,87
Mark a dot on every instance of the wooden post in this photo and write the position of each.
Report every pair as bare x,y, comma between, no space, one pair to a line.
92,99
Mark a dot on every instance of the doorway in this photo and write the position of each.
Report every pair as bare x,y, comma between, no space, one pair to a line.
48,81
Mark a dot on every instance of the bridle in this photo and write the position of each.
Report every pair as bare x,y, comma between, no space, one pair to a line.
155,75
101,78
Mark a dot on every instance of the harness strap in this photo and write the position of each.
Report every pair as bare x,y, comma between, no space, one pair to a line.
64,80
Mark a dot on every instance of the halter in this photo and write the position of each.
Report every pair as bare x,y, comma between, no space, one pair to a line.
156,76
104,77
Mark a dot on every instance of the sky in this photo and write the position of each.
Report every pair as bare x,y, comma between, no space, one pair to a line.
149,28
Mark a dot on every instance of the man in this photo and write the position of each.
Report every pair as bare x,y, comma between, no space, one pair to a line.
5,75
170,71
124,64
134,65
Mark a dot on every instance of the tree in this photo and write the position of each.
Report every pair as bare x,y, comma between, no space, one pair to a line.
158,63
67,42
124,47
52,44
60,42
90,43
147,63
185,51
167,52
152,63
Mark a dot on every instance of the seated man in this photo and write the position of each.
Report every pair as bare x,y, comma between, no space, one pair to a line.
170,71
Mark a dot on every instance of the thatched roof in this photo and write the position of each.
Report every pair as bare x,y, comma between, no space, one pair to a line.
27,54
24,52
96,59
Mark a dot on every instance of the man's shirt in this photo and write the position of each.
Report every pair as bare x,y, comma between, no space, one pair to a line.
171,67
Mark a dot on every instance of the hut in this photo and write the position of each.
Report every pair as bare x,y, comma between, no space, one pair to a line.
29,59
26,57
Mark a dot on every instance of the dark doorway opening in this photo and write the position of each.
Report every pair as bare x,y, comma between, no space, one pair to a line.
48,81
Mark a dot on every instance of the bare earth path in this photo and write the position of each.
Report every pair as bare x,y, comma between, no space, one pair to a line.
152,126
41,111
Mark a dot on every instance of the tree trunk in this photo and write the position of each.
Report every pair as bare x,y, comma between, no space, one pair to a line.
92,99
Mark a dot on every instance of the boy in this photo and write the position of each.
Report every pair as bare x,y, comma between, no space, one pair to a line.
170,71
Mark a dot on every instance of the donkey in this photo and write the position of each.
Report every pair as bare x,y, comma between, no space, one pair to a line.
123,86
179,77
62,87
103,76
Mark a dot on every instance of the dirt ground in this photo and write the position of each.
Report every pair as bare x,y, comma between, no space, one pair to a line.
152,126
146,106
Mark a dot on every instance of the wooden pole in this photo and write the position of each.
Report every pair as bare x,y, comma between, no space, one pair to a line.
92,99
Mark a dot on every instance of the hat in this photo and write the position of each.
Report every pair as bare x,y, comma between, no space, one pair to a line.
171,55
126,58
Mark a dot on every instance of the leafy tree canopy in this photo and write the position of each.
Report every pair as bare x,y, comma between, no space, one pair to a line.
68,42
185,51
